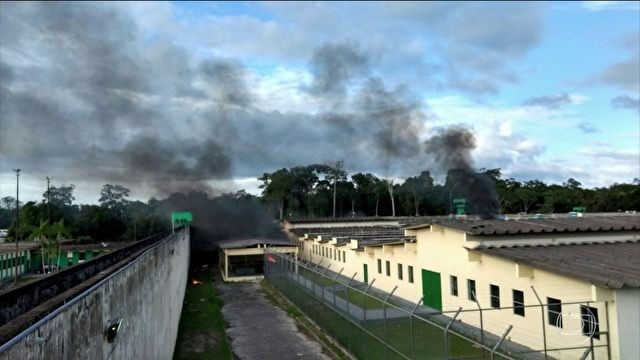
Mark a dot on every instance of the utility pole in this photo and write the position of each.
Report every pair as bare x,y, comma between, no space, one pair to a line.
48,200
17,171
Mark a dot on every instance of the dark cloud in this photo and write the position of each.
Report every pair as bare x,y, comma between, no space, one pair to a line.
624,74
549,101
334,65
625,102
228,79
587,127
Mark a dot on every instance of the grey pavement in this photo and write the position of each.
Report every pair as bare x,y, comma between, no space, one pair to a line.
259,330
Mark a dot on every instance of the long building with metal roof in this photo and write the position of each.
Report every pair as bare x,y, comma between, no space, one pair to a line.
538,274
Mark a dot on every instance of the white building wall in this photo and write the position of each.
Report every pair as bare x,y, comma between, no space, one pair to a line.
625,324
444,250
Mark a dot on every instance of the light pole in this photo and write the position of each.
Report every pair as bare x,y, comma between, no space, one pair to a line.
17,171
48,199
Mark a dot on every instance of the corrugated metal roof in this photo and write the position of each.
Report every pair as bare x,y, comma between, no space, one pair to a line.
611,265
366,235
538,226
244,243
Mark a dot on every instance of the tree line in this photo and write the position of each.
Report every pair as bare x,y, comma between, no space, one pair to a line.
311,191
317,190
115,218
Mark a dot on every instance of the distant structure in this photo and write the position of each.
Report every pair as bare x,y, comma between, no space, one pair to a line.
243,259
561,282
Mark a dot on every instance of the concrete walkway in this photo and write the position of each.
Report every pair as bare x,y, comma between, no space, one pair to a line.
260,330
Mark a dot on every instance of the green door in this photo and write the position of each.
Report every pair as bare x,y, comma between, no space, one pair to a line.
431,289
366,273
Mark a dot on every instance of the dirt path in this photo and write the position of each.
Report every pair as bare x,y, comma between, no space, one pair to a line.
260,330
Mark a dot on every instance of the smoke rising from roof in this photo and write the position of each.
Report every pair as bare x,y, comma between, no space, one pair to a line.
223,217
451,148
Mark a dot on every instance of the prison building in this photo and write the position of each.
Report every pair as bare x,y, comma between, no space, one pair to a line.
562,283
243,259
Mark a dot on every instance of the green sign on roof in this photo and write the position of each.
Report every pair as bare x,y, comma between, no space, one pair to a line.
181,218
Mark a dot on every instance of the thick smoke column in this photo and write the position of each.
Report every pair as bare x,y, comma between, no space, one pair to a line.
334,65
387,121
224,217
393,118
451,149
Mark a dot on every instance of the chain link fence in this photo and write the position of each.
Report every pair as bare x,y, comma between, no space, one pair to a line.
368,325
372,324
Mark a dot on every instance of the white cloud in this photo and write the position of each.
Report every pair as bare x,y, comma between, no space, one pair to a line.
610,5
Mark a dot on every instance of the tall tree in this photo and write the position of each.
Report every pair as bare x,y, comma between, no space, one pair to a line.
276,187
114,198
418,186
62,195
335,172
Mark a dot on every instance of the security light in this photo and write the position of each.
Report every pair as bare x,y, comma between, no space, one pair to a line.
112,330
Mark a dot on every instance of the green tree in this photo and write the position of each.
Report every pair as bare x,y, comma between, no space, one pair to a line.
113,197
49,236
417,187
61,196
335,172
276,187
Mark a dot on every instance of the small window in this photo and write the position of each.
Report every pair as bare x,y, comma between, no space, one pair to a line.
518,302
400,271
471,289
379,266
453,280
339,255
344,256
590,325
495,296
388,268
410,271
554,309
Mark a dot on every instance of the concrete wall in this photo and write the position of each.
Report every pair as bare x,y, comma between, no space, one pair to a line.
147,295
625,324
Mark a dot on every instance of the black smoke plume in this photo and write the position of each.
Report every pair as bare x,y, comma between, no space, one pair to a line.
230,216
451,149
334,65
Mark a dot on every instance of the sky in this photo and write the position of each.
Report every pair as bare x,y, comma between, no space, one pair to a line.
163,97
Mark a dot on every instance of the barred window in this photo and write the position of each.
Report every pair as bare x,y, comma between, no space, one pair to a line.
495,296
518,302
554,309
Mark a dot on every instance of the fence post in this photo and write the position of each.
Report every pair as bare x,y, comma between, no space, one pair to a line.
413,347
347,290
504,336
384,319
364,319
323,276
334,288
475,299
348,313
447,353
586,353
544,330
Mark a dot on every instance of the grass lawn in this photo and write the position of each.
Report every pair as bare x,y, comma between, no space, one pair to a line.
201,333
428,340
358,299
